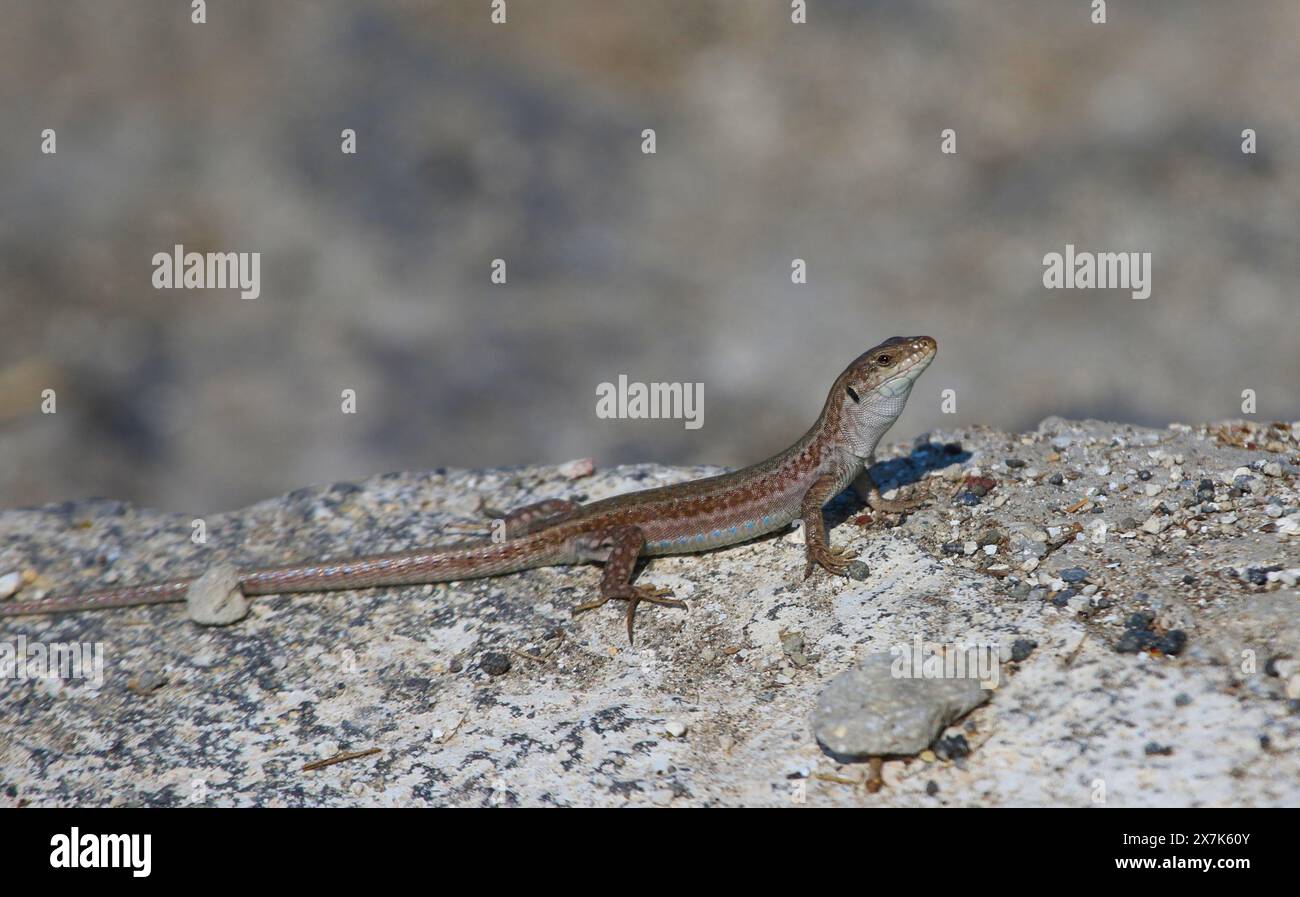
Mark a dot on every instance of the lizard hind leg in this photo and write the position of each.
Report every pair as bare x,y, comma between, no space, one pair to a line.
625,544
531,518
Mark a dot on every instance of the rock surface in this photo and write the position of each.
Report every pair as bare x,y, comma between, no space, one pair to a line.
489,693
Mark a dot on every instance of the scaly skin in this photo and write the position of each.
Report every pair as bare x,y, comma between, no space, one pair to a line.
700,515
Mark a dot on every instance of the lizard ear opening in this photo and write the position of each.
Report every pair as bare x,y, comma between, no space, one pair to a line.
852,393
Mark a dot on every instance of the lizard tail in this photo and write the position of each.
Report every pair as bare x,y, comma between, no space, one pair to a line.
127,596
401,568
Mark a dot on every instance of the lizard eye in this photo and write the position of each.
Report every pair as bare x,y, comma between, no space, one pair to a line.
883,360
853,394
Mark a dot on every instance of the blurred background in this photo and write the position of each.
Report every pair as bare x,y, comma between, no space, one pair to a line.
523,141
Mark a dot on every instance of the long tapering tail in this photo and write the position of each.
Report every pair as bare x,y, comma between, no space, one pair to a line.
400,568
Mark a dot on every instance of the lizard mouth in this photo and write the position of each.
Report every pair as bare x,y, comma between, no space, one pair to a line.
914,368
902,380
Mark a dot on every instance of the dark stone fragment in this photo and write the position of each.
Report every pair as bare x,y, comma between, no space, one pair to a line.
1144,475
952,748
932,788
495,663
1134,640
1021,648
1014,463
1157,750
1074,574
1140,620
1173,643
1056,479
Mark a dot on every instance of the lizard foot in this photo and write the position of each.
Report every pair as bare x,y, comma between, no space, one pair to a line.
633,595
835,561
897,506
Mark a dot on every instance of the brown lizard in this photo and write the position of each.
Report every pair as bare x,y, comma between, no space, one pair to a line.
699,515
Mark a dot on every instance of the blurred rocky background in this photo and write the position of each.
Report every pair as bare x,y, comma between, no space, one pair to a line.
523,141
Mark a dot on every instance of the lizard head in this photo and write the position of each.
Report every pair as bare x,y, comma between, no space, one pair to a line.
870,394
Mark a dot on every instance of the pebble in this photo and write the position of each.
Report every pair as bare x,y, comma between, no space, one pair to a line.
214,599
9,583
676,728
1155,524
867,711
953,747
1172,643
495,663
1074,574
1021,648
146,682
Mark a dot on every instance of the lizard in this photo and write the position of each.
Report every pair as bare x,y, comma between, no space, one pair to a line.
690,517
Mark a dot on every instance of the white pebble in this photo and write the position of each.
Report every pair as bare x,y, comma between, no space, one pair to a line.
9,584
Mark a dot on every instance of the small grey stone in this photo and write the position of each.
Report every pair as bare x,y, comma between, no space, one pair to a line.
495,663
1021,648
859,570
214,599
867,711
1074,574
146,682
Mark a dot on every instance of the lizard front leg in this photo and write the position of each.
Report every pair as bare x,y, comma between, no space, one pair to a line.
869,491
817,548
531,518
625,544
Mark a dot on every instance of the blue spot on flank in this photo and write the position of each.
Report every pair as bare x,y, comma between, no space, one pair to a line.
700,537
749,524
733,530
717,534
766,520
683,540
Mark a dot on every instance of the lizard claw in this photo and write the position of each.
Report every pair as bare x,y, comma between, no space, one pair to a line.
633,595
835,561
